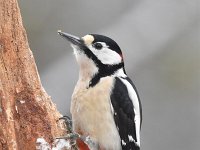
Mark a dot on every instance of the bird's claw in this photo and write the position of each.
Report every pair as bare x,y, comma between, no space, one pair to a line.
68,122
70,136
89,141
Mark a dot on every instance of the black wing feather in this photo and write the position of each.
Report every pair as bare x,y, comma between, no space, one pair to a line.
124,115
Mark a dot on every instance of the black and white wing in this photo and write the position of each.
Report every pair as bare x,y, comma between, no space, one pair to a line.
127,112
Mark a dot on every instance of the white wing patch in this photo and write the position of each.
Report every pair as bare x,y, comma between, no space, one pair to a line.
130,138
123,143
133,96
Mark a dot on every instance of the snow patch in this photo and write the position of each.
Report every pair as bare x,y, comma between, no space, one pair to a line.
58,144
16,109
41,144
22,101
61,144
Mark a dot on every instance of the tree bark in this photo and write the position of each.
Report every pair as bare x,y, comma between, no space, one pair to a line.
26,111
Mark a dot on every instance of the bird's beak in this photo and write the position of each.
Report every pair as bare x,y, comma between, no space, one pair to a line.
72,39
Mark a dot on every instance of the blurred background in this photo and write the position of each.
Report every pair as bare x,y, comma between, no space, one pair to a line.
160,40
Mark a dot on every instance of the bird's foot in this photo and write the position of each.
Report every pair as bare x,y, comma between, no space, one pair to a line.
72,136
68,123
91,143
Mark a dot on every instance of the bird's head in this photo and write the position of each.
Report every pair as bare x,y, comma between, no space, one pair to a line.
97,54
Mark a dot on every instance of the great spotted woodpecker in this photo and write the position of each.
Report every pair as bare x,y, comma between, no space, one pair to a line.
105,104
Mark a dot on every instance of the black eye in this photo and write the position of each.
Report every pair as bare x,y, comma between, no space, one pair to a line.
97,46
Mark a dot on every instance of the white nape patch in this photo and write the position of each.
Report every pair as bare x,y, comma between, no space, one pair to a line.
123,143
88,39
120,73
106,55
133,96
130,138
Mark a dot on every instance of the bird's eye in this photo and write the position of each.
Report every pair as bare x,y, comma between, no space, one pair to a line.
97,46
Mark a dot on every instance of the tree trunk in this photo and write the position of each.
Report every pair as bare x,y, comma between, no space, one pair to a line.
26,111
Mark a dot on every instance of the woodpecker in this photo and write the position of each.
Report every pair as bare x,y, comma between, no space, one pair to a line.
105,104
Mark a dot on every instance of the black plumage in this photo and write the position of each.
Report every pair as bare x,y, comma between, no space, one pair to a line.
124,115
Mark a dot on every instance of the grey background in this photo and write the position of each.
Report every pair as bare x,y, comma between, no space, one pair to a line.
160,40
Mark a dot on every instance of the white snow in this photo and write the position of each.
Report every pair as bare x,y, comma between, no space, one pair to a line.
22,101
58,144
41,144
61,144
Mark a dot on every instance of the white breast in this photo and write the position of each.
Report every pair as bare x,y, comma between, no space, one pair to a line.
91,113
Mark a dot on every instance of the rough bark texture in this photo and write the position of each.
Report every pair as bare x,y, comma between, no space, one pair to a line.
26,111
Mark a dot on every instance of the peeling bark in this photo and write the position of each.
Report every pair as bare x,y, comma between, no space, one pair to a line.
26,111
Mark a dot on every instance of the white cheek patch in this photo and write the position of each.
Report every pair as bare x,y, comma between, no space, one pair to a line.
106,55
